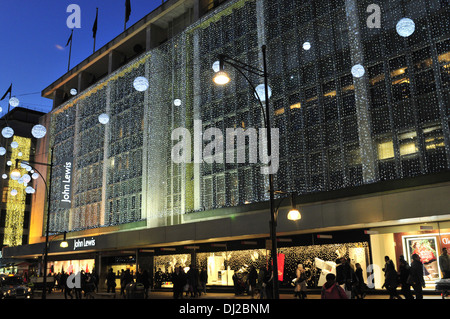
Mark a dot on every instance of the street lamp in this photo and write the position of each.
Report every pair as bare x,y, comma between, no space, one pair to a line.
222,78
47,231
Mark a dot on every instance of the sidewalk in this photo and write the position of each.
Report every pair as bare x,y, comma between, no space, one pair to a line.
216,295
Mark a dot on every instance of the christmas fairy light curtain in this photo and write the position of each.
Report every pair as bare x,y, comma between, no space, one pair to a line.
353,104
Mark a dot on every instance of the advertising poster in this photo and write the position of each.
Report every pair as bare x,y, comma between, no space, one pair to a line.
426,248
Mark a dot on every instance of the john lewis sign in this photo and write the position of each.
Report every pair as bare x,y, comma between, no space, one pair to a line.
83,243
66,184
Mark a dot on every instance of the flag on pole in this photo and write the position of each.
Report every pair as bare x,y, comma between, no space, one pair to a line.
70,38
8,91
127,13
127,10
94,28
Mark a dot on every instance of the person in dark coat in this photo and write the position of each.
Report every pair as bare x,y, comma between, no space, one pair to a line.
111,281
143,278
390,278
359,285
192,277
203,280
416,276
403,272
252,277
178,281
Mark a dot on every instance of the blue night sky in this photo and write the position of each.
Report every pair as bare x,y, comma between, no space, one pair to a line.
33,37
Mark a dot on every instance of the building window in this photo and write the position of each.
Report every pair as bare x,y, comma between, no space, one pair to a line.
385,149
408,143
434,138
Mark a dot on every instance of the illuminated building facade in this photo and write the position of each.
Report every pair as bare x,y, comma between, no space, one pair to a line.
366,155
16,203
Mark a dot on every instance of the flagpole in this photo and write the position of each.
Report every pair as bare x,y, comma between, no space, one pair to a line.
70,51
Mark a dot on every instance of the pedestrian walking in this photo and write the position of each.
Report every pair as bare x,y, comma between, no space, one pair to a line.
178,281
111,281
300,283
403,272
415,278
192,277
331,289
67,290
261,285
252,278
359,286
143,279
390,278
444,264
203,280
344,275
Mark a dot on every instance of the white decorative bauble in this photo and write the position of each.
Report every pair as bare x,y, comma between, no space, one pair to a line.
261,92
358,70
2,151
14,101
38,131
140,83
405,27
306,46
103,118
14,144
7,132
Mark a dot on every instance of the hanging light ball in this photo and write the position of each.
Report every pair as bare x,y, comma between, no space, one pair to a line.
1,110
26,178
177,102
306,46
14,101
261,92
73,91
39,131
29,190
14,192
140,83
4,176
9,163
405,27
20,154
103,118
216,66
35,176
358,70
2,151
7,132
14,144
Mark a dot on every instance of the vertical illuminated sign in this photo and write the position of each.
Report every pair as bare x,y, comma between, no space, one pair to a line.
66,184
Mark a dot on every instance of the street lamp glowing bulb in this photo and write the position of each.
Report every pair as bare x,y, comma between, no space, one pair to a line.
294,214
221,78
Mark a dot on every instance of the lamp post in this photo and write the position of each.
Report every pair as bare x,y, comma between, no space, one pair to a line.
222,78
47,231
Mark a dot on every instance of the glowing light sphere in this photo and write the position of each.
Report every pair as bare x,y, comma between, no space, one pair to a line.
103,118
4,176
14,101
306,46
7,132
9,163
26,178
177,102
261,92
14,192
216,66
35,176
2,151
29,190
405,27
15,176
39,131
140,83
20,154
73,91
358,70
14,144
1,110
